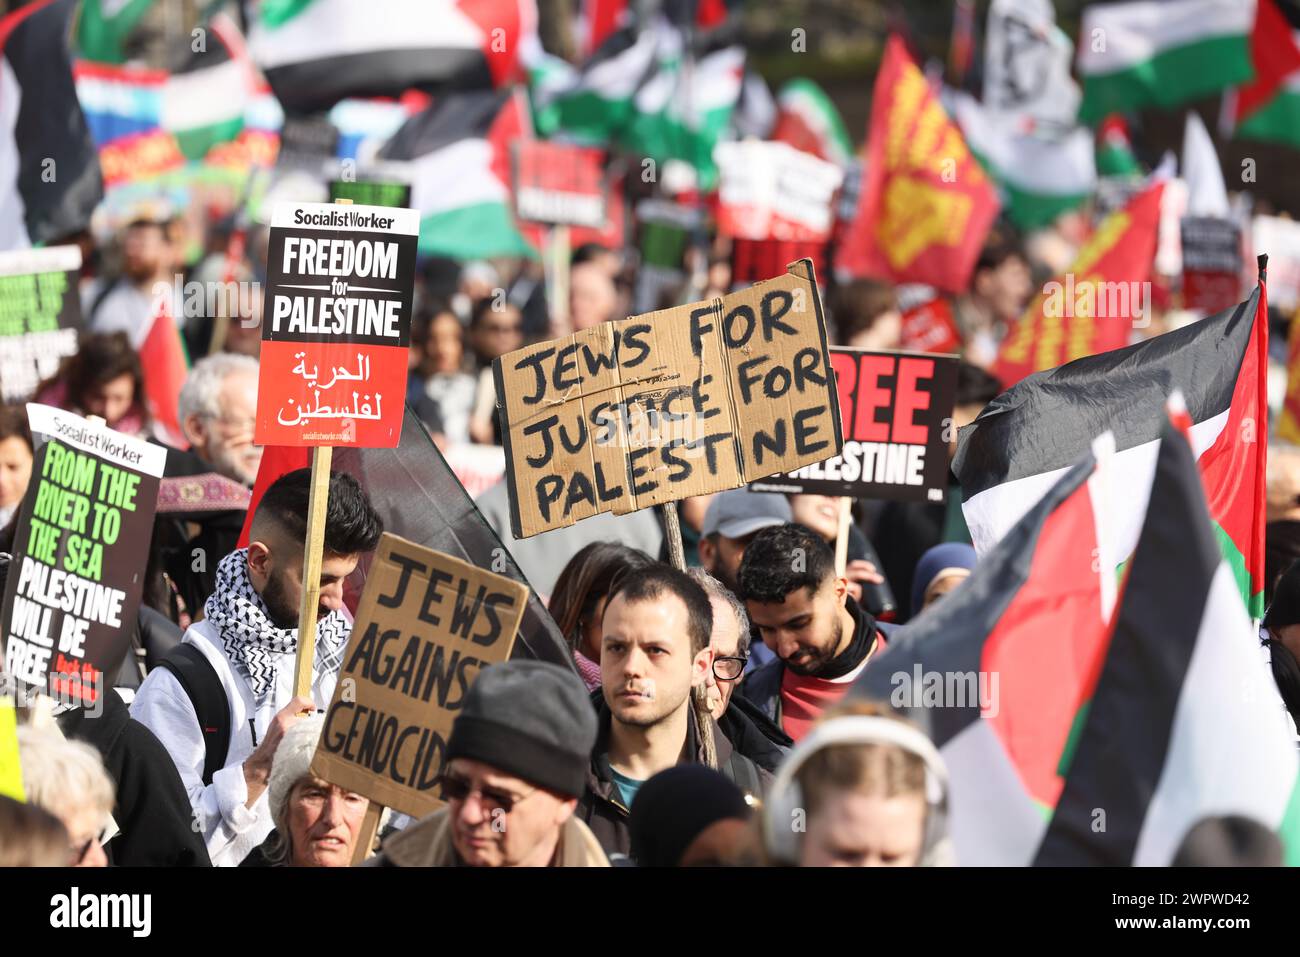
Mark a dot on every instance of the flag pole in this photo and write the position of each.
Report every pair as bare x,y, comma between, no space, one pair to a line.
322,456
842,536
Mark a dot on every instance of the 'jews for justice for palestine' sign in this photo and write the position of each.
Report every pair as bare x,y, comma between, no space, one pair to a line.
336,325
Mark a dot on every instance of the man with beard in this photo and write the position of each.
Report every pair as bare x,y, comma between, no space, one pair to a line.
128,302
221,702
655,649
803,612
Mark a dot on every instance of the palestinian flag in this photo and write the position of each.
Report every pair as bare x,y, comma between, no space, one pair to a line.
203,102
1025,632
1097,303
807,120
682,111
123,107
316,52
925,206
1040,178
49,172
1185,721
1115,149
1269,108
458,152
1160,54
419,498
591,105
1024,440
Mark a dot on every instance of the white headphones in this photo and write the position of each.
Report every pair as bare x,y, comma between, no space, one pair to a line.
785,797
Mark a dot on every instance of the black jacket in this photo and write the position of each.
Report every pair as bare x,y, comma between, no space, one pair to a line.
151,809
602,809
761,688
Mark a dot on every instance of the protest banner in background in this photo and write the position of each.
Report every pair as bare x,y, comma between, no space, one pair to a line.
701,398
427,624
774,191
40,316
897,415
925,204
930,327
558,184
80,551
1211,263
371,193
1280,238
336,325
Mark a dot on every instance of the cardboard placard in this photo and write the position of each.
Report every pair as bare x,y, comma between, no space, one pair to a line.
655,408
80,551
371,192
336,325
40,316
897,410
558,184
426,625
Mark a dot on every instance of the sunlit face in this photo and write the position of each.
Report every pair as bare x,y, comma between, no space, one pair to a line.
502,820
279,581
226,441
805,630
111,400
725,642
647,668
851,829
323,821
821,513
15,470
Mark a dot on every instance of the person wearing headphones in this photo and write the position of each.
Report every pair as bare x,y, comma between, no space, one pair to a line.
862,789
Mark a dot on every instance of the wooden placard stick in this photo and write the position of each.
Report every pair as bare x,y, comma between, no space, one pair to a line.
842,537
366,836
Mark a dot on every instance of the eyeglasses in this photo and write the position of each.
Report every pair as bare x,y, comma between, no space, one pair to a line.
728,668
457,788
78,854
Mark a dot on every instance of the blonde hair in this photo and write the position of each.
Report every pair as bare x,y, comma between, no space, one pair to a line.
879,770
62,776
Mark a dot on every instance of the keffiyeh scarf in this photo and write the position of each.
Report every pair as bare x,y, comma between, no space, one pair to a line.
252,640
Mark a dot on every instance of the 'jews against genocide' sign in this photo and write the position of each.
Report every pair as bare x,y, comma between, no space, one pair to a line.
654,408
40,315
80,550
336,325
427,624
897,412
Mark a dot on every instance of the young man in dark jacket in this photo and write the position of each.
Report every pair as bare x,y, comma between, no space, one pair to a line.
654,651
802,610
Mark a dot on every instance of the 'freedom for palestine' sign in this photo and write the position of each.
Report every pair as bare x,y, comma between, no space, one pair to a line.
40,316
336,325
80,550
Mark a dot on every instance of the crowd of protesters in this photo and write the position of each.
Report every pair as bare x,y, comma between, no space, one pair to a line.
706,718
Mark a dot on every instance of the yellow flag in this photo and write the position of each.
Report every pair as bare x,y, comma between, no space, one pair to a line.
11,772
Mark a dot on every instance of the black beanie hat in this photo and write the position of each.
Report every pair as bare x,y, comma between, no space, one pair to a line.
1285,608
530,719
675,806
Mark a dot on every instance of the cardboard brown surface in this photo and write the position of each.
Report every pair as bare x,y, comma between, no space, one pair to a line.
426,625
655,408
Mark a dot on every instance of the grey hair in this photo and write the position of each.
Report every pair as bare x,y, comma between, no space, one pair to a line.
717,591
201,394
63,776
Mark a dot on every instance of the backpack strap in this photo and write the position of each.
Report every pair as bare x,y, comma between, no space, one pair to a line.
199,679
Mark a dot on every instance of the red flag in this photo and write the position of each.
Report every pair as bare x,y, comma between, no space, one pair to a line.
926,205
165,367
1095,306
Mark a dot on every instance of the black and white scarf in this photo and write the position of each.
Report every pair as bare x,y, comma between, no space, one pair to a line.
250,637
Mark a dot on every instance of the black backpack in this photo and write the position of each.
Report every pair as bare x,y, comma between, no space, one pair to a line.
201,684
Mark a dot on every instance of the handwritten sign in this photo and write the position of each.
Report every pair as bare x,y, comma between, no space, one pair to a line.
427,624
40,316
336,325
897,412
80,550
651,409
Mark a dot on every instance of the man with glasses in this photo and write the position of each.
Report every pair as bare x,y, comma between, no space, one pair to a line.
655,650
516,762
